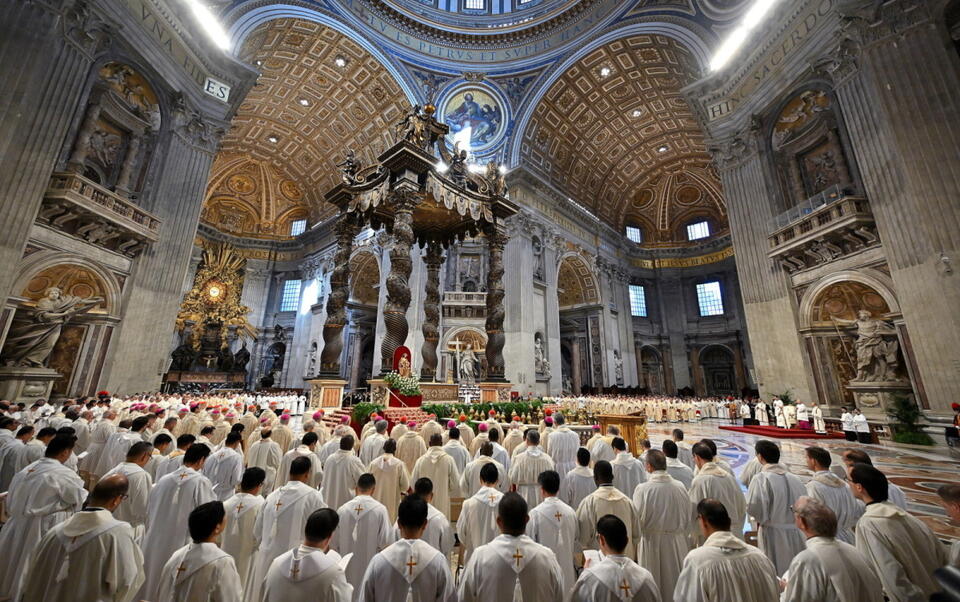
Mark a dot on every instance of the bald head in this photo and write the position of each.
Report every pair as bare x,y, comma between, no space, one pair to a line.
109,492
814,518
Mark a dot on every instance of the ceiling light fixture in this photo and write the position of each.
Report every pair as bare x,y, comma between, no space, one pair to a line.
753,17
304,102
210,24
272,139
663,149
605,71
637,112
340,61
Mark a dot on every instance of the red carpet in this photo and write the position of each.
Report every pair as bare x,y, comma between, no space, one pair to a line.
778,433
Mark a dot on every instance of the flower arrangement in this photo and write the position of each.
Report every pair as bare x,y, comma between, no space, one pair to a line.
404,385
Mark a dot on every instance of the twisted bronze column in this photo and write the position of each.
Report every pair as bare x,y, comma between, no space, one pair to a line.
496,240
346,230
431,310
398,280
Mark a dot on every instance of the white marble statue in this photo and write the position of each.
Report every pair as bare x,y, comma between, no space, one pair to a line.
35,330
876,347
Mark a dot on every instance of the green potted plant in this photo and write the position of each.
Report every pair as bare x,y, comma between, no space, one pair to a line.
905,417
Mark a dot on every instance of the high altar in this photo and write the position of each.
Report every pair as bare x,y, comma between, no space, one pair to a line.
421,193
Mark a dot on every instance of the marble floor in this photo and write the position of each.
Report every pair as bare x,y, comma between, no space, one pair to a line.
919,474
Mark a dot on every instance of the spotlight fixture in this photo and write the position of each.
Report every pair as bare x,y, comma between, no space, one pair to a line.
637,112
304,102
663,149
340,61
272,139
605,71
258,62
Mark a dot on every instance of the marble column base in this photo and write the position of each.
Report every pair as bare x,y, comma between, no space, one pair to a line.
22,383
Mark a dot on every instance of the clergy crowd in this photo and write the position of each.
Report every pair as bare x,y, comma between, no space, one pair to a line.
162,498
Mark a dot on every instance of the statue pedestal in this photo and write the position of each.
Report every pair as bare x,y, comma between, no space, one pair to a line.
326,392
873,398
494,392
22,383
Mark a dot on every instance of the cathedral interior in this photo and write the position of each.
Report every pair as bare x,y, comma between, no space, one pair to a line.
700,197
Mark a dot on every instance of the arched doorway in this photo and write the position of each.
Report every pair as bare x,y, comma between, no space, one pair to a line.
651,370
458,341
362,309
581,326
718,366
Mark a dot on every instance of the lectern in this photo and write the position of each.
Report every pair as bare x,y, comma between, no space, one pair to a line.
633,428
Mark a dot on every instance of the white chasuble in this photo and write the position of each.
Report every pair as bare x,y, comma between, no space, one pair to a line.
41,496
554,524
89,556
512,569
410,570
526,467
616,579
666,517
440,468
726,569
279,528
306,574
606,500
833,492
477,524
237,537
363,531
716,483
577,485
134,509
171,501
830,570
340,474
770,500
200,572
393,480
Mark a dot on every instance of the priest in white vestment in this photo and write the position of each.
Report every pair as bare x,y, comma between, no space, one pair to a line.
564,444
40,496
410,447
770,500
724,568
527,466
675,468
684,453
364,530
607,499
372,446
500,453
628,472
440,468
9,454
456,450
200,571
895,495
665,517
470,478
430,428
307,447
89,556
224,467
828,570
439,531
266,454
602,449
477,524
241,509
341,472
512,567
616,578
713,482
174,460
279,525
133,510
579,482
32,450
310,572
410,568
100,432
554,524
514,437
392,478
827,487
901,548
171,501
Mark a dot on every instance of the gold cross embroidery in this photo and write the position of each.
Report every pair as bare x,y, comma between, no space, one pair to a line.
31,470
278,504
626,588
180,569
517,556
558,516
493,498
184,475
239,507
410,564
359,509
295,570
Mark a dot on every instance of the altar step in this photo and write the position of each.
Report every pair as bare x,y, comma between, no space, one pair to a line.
394,415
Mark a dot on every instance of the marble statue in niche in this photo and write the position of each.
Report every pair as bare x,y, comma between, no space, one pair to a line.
241,358
618,367
876,347
467,362
540,361
312,360
538,267
35,330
